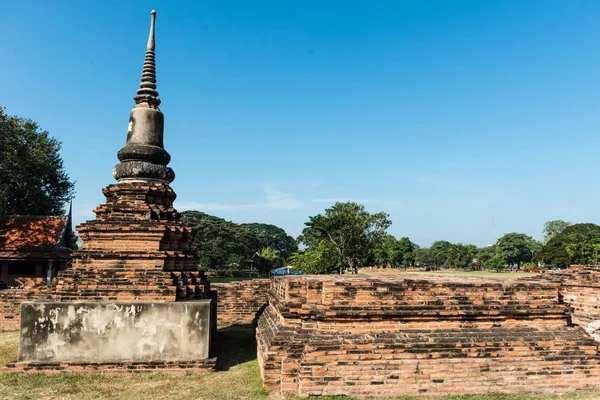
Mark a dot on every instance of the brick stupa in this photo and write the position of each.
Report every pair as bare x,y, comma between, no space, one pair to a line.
133,299
137,248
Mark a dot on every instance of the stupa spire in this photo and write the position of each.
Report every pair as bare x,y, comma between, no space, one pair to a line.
147,92
144,159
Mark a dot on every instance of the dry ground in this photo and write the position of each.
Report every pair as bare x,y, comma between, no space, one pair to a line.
482,274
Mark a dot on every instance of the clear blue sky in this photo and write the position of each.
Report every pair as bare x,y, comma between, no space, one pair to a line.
446,114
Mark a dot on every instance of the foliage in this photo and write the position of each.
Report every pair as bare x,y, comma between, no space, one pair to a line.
222,244
269,258
348,230
317,259
528,266
516,248
395,253
461,256
32,177
553,228
576,244
496,263
484,255
274,237
423,256
439,252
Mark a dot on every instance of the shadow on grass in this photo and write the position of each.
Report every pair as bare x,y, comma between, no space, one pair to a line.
237,347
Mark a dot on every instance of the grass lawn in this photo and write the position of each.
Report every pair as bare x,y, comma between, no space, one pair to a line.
482,274
238,378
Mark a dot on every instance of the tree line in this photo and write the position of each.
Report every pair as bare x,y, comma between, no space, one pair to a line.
345,237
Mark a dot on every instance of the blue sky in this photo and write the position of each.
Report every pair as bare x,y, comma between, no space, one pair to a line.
463,120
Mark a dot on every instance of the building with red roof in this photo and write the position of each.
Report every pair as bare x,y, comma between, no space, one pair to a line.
33,249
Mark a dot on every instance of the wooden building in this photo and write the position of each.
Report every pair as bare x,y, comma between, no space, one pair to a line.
33,249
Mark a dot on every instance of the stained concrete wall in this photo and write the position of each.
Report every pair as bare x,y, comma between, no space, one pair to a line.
116,331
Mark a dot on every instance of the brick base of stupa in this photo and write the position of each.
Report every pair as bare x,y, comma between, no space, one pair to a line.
136,250
409,335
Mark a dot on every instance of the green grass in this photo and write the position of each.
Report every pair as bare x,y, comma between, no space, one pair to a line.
238,378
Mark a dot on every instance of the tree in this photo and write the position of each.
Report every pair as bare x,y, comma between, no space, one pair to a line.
219,243
423,256
439,252
317,259
461,256
516,248
351,232
553,228
32,177
406,248
576,244
274,237
395,253
484,255
496,263
270,259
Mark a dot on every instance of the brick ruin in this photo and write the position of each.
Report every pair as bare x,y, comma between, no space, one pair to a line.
580,289
409,334
135,249
239,302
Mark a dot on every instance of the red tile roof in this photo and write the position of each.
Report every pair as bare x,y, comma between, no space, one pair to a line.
26,234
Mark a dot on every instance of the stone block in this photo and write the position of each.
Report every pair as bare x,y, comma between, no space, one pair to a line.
113,332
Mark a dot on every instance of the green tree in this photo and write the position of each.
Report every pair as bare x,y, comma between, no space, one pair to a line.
270,258
395,253
406,248
350,231
220,244
320,258
423,256
484,255
439,252
553,228
32,177
516,248
496,263
461,256
274,237
576,244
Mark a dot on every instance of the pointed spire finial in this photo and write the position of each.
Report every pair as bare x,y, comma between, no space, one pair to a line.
147,96
144,158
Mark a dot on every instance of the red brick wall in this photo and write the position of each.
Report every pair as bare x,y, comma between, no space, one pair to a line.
10,306
238,302
410,335
580,289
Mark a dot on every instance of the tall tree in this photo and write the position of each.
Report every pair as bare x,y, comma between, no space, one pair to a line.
484,255
576,244
461,256
439,252
219,243
320,258
274,237
553,228
406,248
350,231
516,248
33,180
423,256
270,258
